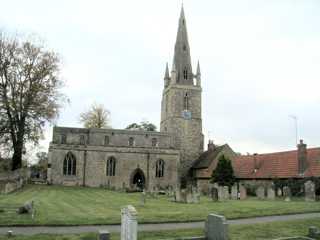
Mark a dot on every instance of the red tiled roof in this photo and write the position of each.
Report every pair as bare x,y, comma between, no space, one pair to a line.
276,165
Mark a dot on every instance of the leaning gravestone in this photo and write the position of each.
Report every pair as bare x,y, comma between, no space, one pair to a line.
234,192
271,194
309,191
287,194
260,193
216,228
129,224
243,192
26,208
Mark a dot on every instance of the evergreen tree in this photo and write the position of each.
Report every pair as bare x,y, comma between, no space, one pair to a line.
223,174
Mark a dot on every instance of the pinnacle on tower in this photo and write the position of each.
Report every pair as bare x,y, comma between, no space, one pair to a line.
198,75
182,58
166,76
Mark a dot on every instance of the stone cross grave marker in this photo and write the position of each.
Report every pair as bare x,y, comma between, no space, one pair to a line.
129,223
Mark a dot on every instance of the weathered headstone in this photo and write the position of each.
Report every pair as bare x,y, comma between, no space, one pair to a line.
216,227
189,196
129,224
183,195
260,193
103,235
279,192
287,193
10,187
26,208
178,195
243,192
234,192
196,196
309,191
271,194
214,194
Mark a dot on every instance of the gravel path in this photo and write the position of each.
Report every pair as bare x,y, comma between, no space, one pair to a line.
148,227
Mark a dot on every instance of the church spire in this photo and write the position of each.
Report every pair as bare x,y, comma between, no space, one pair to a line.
166,76
198,75
182,59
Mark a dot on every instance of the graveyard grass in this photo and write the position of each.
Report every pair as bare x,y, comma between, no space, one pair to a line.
58,205
265,231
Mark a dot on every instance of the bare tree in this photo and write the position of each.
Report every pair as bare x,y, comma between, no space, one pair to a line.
29,92
96,117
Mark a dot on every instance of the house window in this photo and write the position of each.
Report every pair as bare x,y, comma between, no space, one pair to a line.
111,166
185,74
186,102
69,165
82,140
131,142
106,140
63,139
159,168
154,142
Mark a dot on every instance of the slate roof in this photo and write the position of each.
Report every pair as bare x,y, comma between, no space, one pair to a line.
276,165
207,157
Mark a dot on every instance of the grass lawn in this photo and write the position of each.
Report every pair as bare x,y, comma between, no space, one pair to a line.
58,205
260,231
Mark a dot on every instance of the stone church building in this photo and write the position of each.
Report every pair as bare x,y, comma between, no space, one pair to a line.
128,159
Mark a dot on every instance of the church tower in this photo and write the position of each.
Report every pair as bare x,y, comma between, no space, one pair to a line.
181,102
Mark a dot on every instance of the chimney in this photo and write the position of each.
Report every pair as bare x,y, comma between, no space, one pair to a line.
255,162
302,157
211,146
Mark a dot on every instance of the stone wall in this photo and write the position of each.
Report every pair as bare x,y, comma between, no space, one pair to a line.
92,160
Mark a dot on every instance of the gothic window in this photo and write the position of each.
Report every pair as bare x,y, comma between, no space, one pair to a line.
106,140
63,139
185,74
159,168
82,140
69,165
186,102
131,142
154,142
111,166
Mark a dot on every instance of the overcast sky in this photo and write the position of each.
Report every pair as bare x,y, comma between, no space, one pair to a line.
260,62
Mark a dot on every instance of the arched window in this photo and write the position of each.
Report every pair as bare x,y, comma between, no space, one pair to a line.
111,166
159,168
131,142
154,142
185,74
82,140
186,102
69,165
63,139
106,140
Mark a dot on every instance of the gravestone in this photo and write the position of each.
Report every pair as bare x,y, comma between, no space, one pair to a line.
260,193
189,196
314,232
216,228
26,208
279,192
309,191
243,192
196,196
234,192
129,223
287,194
271,194
214,194
103,235
183,196
143,198
178,195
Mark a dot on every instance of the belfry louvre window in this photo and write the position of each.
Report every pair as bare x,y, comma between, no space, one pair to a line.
131,142
111,166
160,168
185,74
69,165
186,102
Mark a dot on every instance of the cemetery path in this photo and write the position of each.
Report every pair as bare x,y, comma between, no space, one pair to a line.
31,230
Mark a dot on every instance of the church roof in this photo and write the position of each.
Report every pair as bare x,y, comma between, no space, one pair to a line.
276,165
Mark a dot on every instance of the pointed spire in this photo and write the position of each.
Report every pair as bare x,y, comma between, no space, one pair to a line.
198,75
182,59
166,75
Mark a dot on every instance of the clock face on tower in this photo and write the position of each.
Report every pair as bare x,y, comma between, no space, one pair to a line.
186,114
